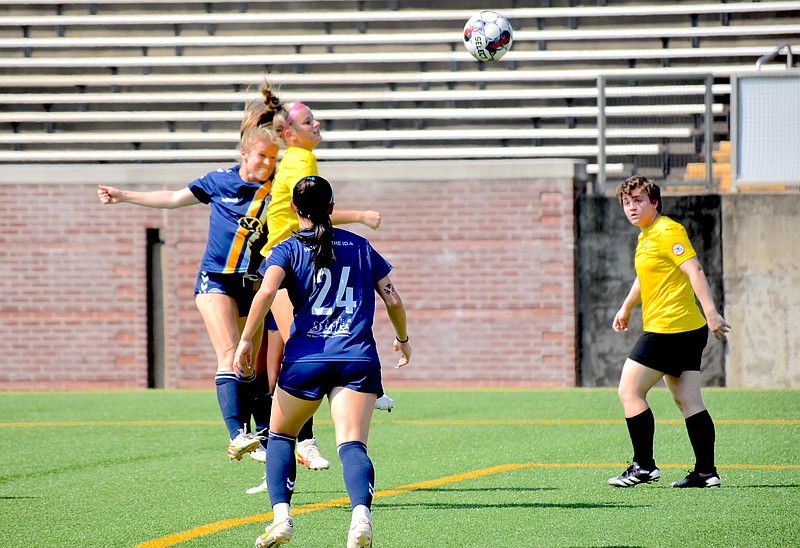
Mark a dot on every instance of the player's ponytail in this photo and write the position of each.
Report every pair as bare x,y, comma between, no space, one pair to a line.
312,198
262,111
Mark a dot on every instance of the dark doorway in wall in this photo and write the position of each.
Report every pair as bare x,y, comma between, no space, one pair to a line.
155,310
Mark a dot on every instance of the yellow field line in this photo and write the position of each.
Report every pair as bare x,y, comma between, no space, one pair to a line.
210,528
105,423
779,422
587,421
217,526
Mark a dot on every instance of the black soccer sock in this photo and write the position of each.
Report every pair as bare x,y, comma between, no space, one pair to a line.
307,431
261,406
702,436
642,429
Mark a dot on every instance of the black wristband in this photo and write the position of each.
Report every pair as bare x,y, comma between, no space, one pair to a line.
401,342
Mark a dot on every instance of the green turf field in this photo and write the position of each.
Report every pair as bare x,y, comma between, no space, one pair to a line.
454,468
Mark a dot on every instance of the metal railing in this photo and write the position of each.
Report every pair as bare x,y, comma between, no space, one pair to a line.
704,146
774,53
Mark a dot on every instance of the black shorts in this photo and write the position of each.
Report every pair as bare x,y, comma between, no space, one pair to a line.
240,287
671,353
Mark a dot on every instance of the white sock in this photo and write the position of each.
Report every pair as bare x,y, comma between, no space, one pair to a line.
359,512
281,511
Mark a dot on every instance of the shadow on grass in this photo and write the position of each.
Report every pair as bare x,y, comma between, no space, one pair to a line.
476,506
763,486
483,489
90,464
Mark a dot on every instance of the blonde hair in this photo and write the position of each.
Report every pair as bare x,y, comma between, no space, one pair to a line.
261,132
266,111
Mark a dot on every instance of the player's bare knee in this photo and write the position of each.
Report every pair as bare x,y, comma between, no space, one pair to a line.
629,397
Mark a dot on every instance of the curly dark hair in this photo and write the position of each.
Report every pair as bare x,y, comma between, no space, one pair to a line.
645,185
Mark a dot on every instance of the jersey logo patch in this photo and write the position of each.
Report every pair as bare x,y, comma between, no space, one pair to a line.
251,224
678,249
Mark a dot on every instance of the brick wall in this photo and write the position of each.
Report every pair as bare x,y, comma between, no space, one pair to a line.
483,259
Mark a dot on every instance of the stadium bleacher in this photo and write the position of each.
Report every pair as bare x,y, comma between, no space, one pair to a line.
148,82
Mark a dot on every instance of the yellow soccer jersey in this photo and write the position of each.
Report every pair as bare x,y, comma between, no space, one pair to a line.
668,301
295,164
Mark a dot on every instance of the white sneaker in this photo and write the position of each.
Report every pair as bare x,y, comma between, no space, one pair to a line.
259,455
384,403
244,442
360,535
308,454
259,488
280,532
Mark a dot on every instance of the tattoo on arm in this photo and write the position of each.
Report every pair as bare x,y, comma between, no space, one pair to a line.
388,289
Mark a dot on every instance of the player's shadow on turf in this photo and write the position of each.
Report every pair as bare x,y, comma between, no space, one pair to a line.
486,489
762,486
477,506
88,465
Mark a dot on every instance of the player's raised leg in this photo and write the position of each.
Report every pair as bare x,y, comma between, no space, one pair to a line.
221,316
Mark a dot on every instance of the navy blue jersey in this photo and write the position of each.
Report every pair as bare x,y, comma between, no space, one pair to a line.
238,222
333,314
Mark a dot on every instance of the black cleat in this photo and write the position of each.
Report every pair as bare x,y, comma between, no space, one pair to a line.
696,479
635,475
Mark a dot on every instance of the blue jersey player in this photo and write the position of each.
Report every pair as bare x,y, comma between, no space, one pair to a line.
331,276
228,277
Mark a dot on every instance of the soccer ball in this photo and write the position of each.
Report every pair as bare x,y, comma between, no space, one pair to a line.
488,36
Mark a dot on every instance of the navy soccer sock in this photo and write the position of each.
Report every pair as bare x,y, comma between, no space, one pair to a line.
281,468
232,397
359,473
702,435
642,429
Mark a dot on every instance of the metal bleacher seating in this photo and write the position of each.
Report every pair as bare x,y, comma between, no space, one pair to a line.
112,81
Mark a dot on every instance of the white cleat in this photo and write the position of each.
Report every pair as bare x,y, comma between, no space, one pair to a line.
384,403
244,442
259,455
360,535
309,455
280,532
258,488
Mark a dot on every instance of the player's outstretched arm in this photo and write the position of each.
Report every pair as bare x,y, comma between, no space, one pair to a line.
368,218
161,199
397,315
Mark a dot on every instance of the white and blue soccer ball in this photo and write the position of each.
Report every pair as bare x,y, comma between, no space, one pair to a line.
488,36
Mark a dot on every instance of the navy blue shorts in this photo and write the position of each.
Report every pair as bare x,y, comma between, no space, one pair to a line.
240,287
270,322
312,381
671,353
